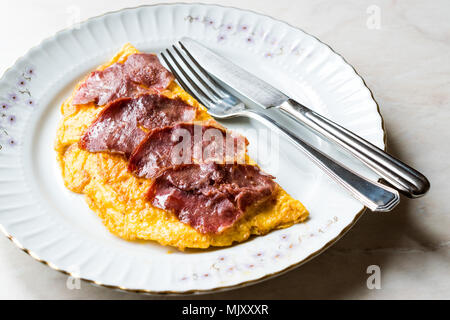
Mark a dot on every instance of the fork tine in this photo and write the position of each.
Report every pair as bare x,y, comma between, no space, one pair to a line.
213,83
211,87
225,95
192,78
175,72
185,82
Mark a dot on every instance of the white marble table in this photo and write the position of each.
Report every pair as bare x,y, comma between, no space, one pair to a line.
406,64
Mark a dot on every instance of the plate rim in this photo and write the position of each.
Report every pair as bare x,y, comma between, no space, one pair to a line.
216,289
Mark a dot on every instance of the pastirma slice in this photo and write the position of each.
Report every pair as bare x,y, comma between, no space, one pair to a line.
185,143
122,125
210,197
140,72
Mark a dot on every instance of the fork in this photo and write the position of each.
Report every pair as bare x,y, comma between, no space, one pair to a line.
223,105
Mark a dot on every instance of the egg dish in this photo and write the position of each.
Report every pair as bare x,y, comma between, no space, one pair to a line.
120,198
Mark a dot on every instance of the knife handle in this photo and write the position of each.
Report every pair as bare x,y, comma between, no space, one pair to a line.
374,195
399,175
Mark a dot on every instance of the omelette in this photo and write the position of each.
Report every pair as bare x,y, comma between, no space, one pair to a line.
119,197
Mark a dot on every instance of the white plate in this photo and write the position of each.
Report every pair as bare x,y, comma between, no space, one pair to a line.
56,226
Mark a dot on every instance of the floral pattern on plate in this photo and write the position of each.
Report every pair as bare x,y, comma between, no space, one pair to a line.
18,98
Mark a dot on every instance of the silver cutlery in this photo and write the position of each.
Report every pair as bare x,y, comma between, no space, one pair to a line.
399,175
222,105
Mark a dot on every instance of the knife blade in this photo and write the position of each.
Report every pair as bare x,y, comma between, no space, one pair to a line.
257,90
399,175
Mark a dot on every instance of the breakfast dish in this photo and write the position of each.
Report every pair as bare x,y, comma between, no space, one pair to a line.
155,166
56,226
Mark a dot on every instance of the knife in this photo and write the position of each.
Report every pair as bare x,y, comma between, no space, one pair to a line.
407,180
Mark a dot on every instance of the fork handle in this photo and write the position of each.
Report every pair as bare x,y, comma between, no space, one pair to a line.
399,175
374,195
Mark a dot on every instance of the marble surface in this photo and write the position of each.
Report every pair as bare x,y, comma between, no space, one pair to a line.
405,62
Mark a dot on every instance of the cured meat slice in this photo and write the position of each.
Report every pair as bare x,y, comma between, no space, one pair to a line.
144,68
185,143
122,125
210,197
139,73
